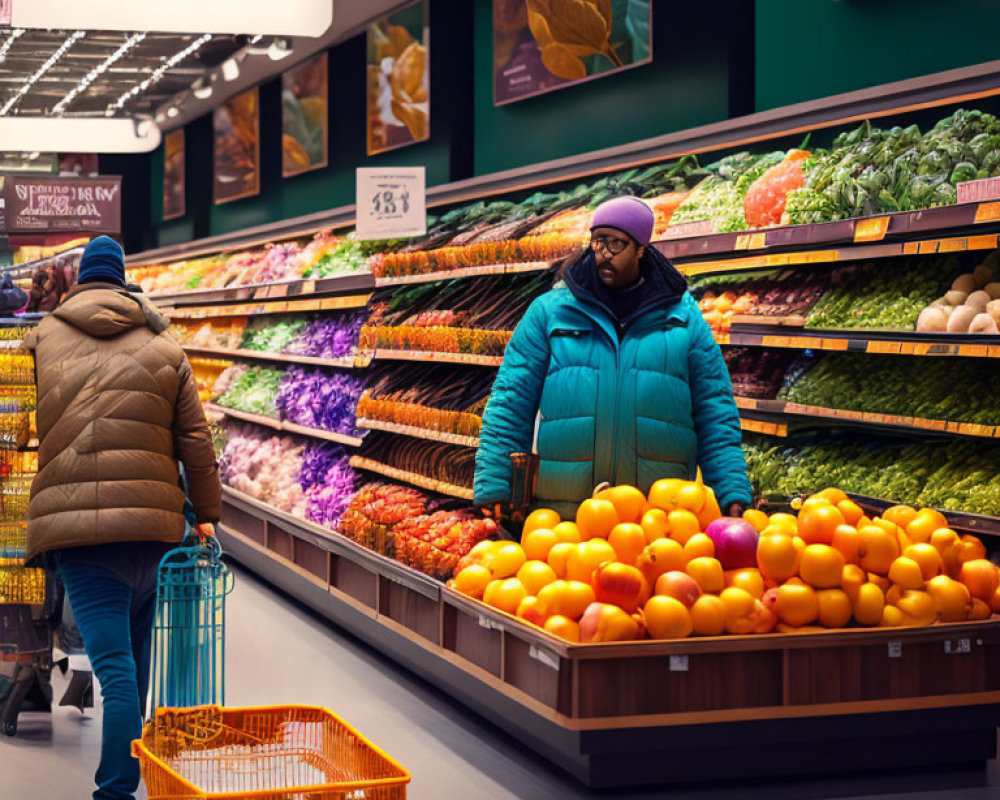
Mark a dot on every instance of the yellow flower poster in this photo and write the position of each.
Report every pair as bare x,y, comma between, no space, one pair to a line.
399,79
304,107
542,45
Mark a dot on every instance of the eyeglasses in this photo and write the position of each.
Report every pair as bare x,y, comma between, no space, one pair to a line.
613,244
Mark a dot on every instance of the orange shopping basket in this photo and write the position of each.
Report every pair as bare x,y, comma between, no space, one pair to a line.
277,752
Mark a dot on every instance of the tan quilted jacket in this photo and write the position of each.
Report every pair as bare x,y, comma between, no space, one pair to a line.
117,408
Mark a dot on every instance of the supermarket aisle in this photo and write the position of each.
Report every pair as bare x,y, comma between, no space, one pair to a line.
281,653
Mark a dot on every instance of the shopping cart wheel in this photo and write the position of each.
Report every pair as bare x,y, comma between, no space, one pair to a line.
10,728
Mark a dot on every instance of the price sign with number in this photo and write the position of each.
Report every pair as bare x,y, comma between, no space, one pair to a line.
391,203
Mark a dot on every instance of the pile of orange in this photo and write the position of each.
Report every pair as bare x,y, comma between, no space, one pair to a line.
631,566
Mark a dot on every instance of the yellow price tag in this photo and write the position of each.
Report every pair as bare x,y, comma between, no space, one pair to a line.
988,212
872,229
955,245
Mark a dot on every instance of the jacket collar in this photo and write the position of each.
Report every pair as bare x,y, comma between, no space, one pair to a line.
666,285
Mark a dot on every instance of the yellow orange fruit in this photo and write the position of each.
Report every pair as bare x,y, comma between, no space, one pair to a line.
923,525
981,577
851,511
527,610
785,522
797,605
710,511
559,556
698,546
662,555
917,606
568,598
835,609
994,602
892,617
505,594
818,523
655,525
758,519
595,519
585,557
927,557
832,495
507,559
540,518
628,541
777,557
563,627
847,540
536,574
748,579
900,515
678,585
708,574
628,501
739,610
666,618
952,599
821,566
683,525
880,581
877,549
868,604
980,609
537,543
708,616
472,580
906,572
567,532
852,579
665,493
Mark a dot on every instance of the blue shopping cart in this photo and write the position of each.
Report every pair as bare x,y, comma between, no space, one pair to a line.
189,654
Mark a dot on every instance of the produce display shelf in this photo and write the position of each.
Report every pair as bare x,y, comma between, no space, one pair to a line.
419,433
971,219
347,362
28,268
285,426
299,287
789,333
865,418
768,427
860,698
472,359
421,481
337,303
465,272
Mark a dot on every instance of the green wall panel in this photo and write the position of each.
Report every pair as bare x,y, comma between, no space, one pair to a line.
815,48
687,84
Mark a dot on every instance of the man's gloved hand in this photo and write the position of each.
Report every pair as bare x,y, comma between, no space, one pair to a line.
735,510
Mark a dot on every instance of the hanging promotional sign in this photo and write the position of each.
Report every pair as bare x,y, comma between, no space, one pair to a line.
391,203
236,149
304,107
173,174
42,205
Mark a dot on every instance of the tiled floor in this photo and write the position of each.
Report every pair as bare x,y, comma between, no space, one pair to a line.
281,653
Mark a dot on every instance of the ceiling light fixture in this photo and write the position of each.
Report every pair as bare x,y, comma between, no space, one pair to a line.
96,72
159,72
201,89
288,18
50,62
5,47
172,112
279,49
79,134
230,69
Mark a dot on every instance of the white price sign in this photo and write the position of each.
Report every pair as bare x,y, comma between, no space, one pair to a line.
391,203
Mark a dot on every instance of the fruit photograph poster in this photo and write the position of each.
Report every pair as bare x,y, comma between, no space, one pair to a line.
173,174
399,79
236,151
542,45
304,124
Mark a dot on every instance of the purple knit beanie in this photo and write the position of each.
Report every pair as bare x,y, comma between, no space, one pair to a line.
627,214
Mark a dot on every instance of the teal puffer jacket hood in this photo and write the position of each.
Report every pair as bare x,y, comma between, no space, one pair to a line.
626,402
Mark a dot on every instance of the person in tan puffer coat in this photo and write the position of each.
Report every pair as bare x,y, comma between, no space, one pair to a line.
117,408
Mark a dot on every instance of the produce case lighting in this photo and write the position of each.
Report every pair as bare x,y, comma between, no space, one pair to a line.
230,69
79,134
172,112
279,49
309,18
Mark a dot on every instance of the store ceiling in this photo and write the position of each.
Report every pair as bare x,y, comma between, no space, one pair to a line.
57,63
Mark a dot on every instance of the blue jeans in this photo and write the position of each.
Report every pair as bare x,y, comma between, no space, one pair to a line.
114,600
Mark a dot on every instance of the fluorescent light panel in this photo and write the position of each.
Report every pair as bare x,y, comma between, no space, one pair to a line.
78,135
50,62
96,72
287,18
159,72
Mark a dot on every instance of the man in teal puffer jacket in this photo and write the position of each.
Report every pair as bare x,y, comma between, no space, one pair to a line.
622,377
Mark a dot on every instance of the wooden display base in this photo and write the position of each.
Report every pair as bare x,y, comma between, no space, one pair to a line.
641,713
